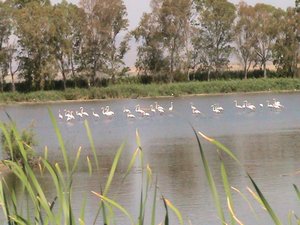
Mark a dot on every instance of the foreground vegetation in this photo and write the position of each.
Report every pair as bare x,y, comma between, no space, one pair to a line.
60,208
135,90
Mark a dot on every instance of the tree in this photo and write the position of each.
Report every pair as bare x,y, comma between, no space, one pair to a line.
66,36
33,23
174,20
149,53
244,36
287,46
5,32
266,20
105,21
213,34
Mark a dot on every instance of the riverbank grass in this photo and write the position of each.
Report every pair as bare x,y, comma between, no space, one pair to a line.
136,90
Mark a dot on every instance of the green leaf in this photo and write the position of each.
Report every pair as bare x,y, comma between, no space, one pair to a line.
89,134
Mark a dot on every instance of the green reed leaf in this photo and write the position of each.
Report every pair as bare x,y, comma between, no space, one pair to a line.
116,205
60,141
175,210
265,203
211,181
90,137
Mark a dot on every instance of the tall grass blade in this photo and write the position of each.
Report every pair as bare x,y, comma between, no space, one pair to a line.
89,165
227,191
116,205
297,191
60,141
113,169
265,203
246,200
167,213
90,137
221,147
175,210
154,204
4,204
131,163
75,164
82,211
211,181
232,212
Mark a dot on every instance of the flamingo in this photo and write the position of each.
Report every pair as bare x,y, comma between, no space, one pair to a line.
269,105
146,114
70,116
159,108
96,115
238,106
192,106
83,112
139,110
196,111
171,107
216,110
60,115
152,109
108,112
78,114
130,115
220,108
277,104
249,105
125,110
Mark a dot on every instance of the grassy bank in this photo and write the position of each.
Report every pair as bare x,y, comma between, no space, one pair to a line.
154,90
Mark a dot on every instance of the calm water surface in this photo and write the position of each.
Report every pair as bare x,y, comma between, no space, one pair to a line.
266,142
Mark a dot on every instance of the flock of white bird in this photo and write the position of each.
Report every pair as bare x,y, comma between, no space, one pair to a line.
69,115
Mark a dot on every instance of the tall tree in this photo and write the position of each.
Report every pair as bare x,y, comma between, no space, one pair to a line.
266,20
33,30
66,36
150,51
5,32
174,19
244,36
287,46
105,21
213,33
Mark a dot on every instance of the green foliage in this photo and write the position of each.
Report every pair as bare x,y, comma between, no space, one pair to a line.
10,142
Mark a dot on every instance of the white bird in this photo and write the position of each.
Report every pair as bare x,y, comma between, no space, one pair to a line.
130,115
146,114
78,114
60,115
159,108
215,109
192,106
196,111
171,107
96,115
238,106
108,112
83,112
70,116
139,110
269,105
220,108
152,109
261,105
277,104
249,105
125,110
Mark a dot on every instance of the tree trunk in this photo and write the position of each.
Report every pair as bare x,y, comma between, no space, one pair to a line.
13,86
245,72
265,70
208,75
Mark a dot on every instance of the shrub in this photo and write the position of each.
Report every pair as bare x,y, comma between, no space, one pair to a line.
10,146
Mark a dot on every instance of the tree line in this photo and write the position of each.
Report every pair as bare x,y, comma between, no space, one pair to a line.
39,40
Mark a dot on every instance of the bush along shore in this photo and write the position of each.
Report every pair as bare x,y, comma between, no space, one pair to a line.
135,90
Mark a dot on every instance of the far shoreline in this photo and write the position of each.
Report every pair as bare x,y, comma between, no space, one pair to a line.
140,91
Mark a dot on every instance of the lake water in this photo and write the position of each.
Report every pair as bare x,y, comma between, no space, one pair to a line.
265,141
